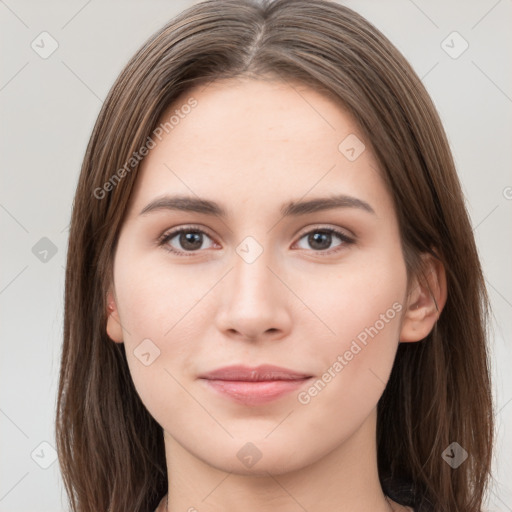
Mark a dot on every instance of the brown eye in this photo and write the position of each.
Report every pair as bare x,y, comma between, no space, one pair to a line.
321,239
185,240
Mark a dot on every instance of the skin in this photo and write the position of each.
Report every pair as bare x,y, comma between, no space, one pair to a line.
253,145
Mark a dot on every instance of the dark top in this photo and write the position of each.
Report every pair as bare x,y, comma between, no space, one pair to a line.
405,493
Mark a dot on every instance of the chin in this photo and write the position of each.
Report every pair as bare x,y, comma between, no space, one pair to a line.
258,458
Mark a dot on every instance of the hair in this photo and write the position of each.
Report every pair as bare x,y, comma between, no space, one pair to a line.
111,450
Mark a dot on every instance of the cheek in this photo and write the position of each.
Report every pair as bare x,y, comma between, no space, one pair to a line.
364,293
155,298
362,307
365,316
157,311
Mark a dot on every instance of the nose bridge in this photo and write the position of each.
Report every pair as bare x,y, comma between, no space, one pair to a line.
251,273
254,302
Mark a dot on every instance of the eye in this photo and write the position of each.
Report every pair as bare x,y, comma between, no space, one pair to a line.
321,239
189,238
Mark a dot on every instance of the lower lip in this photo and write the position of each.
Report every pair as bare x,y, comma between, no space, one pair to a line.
254,393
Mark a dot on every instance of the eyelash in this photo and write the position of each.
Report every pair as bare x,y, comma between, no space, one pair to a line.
166,237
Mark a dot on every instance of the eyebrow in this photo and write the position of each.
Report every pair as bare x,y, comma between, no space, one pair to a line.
207,207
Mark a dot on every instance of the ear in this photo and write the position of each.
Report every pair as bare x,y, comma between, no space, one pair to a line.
426,300
114,329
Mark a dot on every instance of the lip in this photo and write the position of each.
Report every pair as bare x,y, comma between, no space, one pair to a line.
264,372
254,385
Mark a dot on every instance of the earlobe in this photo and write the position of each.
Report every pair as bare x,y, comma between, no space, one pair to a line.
426,301
114,329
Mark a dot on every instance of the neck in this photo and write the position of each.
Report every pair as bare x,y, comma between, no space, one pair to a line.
346,479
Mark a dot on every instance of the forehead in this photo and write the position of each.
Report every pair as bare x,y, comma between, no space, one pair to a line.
246,136
257,113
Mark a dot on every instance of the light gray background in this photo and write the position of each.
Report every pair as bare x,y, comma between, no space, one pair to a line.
48,108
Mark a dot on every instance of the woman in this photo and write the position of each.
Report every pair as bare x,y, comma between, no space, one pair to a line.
273,296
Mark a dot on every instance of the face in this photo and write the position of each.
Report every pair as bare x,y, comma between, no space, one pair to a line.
320,292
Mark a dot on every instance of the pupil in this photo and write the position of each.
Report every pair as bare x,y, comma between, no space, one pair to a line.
187,240
318,237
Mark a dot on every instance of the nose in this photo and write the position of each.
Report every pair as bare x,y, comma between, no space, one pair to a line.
254,303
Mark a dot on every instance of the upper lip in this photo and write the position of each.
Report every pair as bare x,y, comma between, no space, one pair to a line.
264,372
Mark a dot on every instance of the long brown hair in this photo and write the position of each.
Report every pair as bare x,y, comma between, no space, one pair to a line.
110,449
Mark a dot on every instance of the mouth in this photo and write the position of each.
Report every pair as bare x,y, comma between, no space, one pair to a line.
254,385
